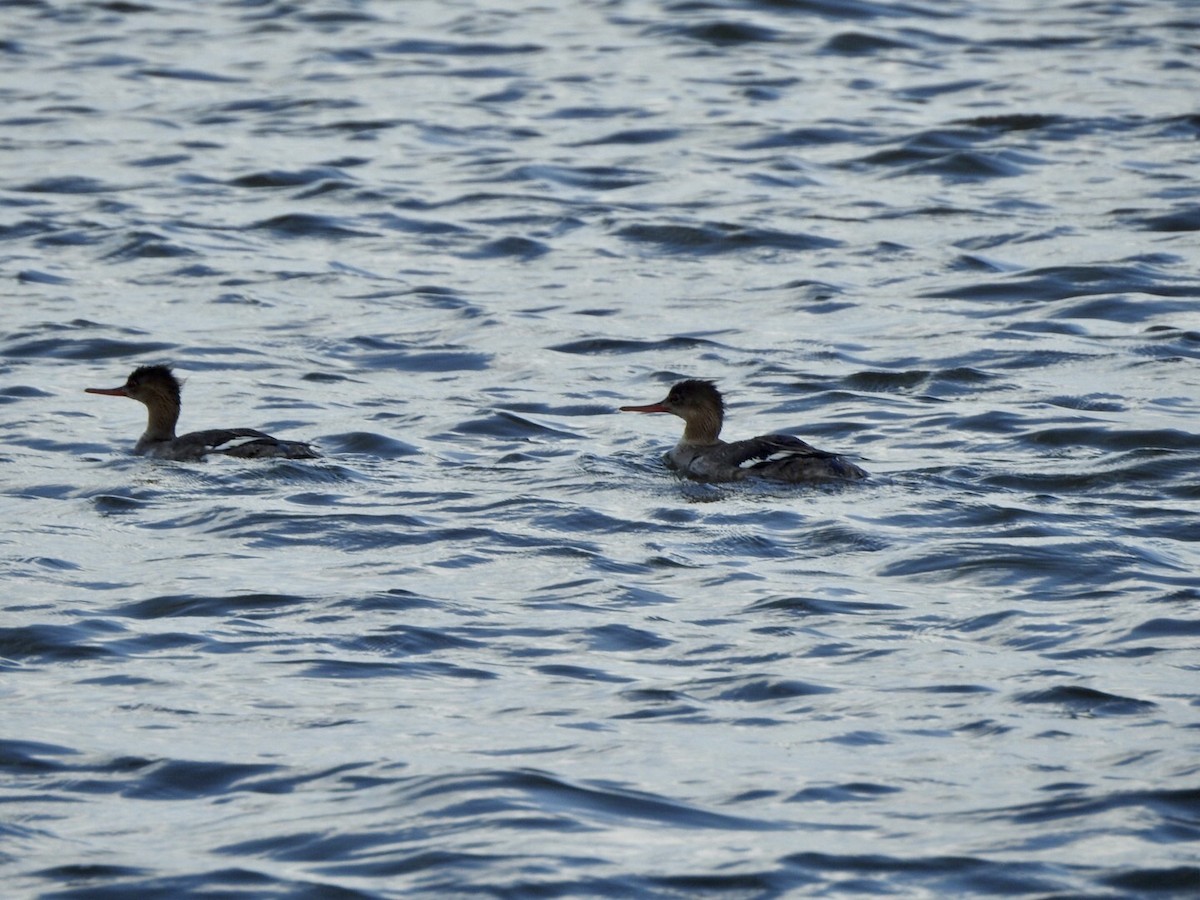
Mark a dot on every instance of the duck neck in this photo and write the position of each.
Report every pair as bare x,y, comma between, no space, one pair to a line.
162,415
702,427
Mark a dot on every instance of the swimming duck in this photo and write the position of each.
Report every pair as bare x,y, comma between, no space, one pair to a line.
701,454
159,389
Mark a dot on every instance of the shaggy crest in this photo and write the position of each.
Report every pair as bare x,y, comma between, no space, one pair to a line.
160,377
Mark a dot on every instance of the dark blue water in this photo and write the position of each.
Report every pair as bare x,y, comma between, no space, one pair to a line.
489,645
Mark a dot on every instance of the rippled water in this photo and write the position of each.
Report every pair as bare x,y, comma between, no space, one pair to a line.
489,645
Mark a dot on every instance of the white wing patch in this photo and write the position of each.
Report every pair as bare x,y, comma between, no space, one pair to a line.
778,456
233,443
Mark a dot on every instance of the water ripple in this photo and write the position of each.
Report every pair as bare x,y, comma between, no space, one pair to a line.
489,643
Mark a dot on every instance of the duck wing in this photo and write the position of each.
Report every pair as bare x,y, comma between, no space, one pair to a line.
245,443
787,458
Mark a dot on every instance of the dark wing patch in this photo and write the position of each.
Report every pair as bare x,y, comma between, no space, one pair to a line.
223,440
774,449
246,443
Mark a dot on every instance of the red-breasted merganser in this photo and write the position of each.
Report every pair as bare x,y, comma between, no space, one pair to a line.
701,454
158,388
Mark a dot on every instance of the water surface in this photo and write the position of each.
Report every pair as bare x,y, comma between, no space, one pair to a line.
489,644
